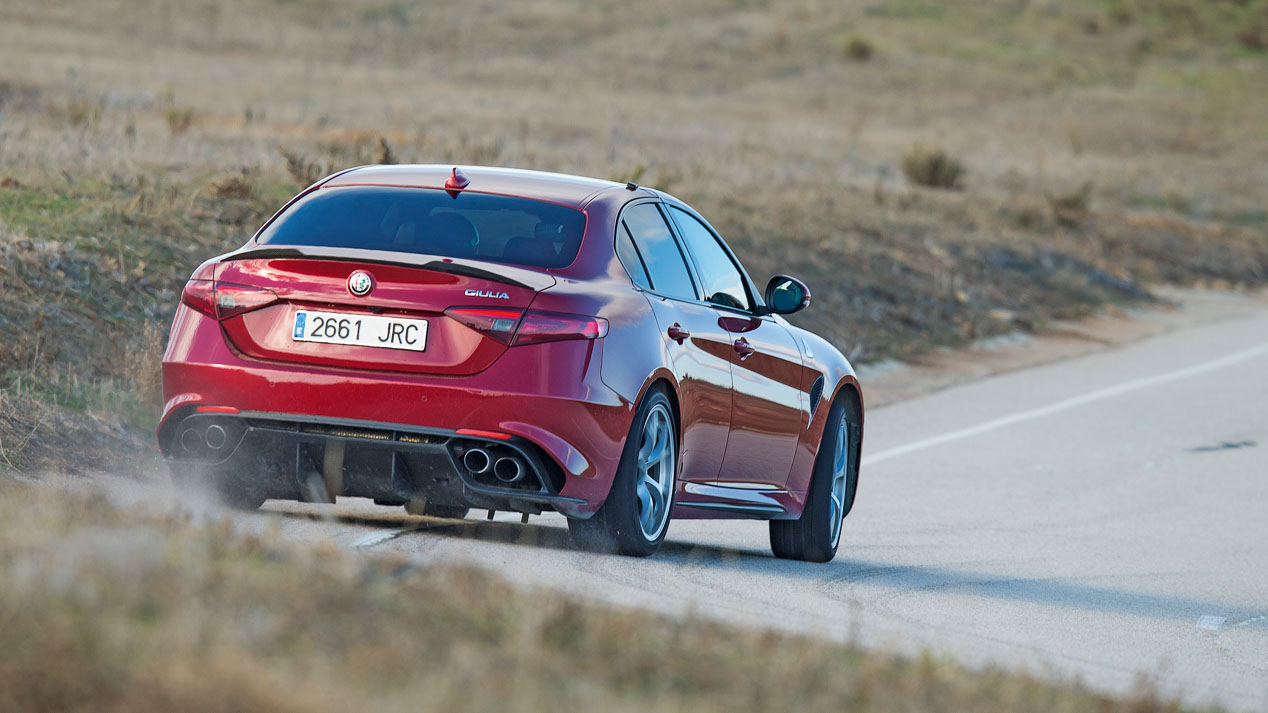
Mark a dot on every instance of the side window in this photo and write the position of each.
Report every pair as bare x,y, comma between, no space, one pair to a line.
665,263
723,282
628,254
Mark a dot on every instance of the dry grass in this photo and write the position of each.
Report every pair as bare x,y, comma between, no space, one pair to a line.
141,610
92,273
179,120
132,150
138,137
304,170
231,186
859,49
933,168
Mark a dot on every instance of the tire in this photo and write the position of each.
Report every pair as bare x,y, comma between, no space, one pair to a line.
635,517
202,480
429,509
814,536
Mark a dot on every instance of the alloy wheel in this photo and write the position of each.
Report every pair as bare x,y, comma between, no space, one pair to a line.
840,469
654,478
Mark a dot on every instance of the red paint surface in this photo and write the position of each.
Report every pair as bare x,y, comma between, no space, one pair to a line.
742,418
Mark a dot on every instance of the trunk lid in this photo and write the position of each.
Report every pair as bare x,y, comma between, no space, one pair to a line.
404,287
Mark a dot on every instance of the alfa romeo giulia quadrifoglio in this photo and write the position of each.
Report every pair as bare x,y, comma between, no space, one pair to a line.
447,338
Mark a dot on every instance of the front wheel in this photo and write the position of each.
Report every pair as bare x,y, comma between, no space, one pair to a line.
815,535
635,517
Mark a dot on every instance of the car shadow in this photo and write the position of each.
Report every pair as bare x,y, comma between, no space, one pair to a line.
509,533
845,579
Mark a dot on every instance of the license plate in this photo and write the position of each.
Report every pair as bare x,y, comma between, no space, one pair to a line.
362,330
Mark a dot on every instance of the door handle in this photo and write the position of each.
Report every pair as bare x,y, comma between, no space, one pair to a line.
743,348
677,333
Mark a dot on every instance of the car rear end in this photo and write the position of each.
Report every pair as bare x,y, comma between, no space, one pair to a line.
381,341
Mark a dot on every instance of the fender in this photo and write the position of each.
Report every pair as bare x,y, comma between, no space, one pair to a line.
822,357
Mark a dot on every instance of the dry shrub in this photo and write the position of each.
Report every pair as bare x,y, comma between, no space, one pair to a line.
859,48
1030,212
1254,37
304,170
933,167
1071,207
18,423
179,120
232,186
84,112
142,365
385,155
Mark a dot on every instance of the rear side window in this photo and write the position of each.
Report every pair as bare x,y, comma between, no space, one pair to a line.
630,258
665,264
515,231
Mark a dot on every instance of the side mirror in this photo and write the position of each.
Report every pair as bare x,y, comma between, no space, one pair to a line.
786,295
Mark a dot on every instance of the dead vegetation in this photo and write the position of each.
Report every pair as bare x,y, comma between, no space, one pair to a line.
933,168
179,120
1112,144
92,273
859,48
304,170
236,186
1093,148
140,610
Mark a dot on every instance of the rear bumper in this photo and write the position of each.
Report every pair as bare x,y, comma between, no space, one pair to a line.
273,456
548,398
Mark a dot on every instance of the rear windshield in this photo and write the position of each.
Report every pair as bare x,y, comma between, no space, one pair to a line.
515,231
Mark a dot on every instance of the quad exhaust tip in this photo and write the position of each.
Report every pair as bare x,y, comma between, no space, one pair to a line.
197,438
477,460
215,437
190,440
509,470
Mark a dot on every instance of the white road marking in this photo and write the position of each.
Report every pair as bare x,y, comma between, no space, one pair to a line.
1211,622
1067,404
1254,620
378,537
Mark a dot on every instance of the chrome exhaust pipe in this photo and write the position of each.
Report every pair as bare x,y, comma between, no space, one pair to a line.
215,437
477,460
509,470
190,440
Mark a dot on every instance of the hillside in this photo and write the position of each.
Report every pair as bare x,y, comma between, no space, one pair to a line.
1086,150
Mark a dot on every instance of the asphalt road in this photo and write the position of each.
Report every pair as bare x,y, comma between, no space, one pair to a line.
1104,518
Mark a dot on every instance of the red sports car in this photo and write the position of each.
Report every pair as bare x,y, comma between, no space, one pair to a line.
453,338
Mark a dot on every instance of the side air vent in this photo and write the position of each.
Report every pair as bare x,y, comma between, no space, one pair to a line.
816,393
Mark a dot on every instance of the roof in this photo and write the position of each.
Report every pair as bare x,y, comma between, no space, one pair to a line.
558,188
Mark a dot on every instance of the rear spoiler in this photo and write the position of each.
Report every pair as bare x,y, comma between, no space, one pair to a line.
494,272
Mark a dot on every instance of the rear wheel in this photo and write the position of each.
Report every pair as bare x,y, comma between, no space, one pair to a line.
815,535
635,516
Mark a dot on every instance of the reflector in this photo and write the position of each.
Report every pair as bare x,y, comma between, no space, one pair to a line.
495,323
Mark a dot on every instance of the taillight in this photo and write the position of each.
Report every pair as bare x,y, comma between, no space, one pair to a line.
223,301
236,299
200,295
538,327
496,324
